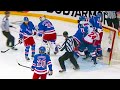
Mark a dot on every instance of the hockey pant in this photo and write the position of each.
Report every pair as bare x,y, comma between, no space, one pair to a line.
27,50
49,42
10,38
66,56
37,76
29,42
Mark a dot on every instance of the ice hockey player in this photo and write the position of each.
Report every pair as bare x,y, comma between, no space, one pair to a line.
27,30
78,36
68,46
6,31
97,24
89,36
40,63
47,31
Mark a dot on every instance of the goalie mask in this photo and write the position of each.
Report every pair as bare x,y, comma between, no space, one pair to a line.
42,18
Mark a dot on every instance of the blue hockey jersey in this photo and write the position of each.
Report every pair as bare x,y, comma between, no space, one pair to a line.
95,21
40,63
26,30
81,33
45,27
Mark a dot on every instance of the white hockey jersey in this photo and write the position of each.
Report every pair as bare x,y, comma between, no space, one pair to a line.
91,35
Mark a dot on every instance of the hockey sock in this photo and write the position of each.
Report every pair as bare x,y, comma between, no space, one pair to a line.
54,47
45,44
93,54
33,50
99,50
87,53
27,51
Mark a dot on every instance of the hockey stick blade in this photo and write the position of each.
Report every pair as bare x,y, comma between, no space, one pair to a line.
5,51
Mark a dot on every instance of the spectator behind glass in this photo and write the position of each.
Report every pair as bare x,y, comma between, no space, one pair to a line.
112,19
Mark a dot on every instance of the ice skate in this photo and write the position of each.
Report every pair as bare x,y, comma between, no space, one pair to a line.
76,68
27,58
63,70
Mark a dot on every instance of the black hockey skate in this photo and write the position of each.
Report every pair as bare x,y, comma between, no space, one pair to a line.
27,58
63,70
76,68
32,55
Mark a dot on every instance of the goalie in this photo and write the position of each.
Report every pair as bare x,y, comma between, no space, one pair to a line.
47,31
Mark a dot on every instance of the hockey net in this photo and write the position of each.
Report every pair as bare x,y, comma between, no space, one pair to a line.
110,40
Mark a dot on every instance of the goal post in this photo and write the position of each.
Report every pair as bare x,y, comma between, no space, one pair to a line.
110,40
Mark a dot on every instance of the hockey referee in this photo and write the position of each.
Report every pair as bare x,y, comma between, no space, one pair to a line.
68,45
6,32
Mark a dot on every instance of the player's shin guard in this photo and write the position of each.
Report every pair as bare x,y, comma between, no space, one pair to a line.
99,50
93,54
33,50
27,51
55,49
45,44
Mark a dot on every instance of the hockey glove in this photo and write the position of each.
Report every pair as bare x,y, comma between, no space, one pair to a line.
32,69
20,41
50,72
35,33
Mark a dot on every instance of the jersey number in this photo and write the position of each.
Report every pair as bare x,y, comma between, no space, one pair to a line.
49,25
41,63
92,35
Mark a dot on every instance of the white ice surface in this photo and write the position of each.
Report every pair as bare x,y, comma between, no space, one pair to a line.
9,69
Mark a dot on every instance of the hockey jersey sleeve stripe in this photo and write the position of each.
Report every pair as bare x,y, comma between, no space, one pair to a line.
49,63
78,41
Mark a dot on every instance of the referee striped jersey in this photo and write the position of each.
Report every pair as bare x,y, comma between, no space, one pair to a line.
69,44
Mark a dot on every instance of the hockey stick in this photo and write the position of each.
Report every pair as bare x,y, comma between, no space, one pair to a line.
30,68
9,48
59,35
13,46
23,65
17,22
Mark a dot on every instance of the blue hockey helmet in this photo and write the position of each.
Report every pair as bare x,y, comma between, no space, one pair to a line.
82,18
42,49
26,19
